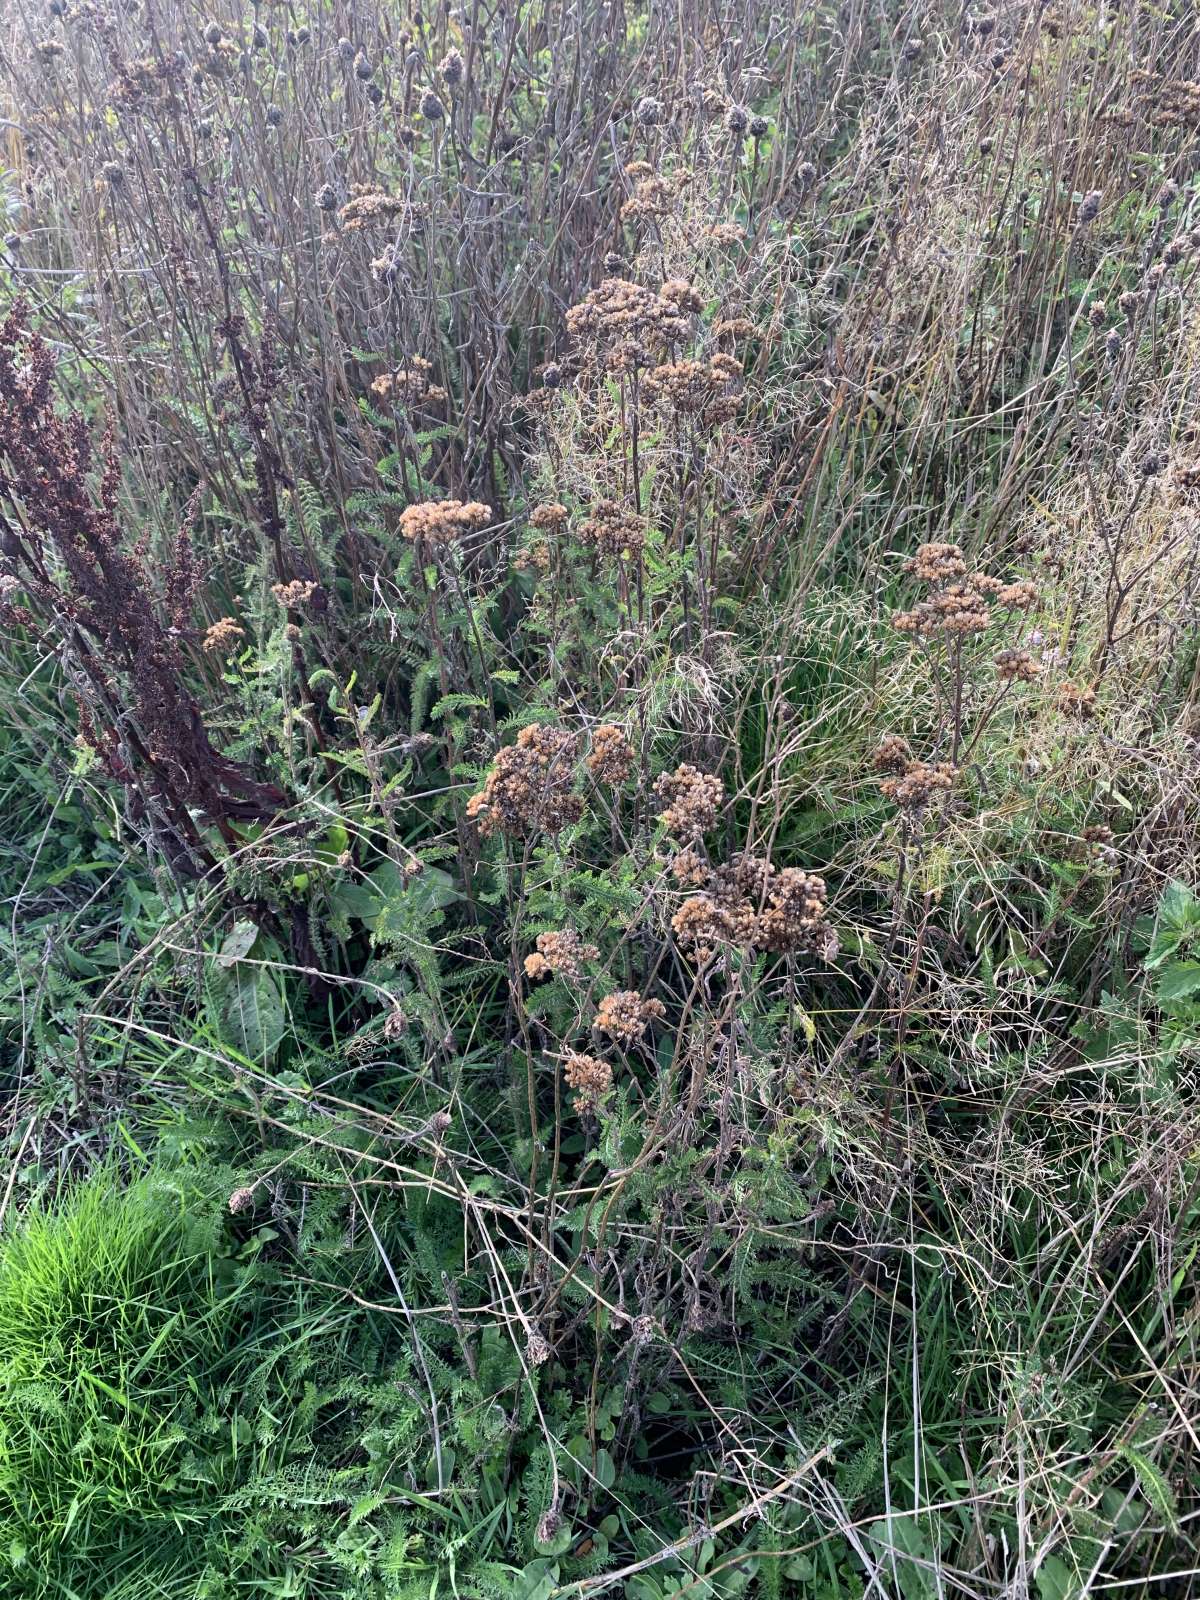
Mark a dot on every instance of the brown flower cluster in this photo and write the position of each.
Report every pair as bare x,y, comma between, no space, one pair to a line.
711,389
691,800
535,557
561,954
652,197
1017,596
623,1015
590,1078
956,609
893,754
701,925
690,868
626,325
1170,102
757,906
410,385
915,787
529,789
937,563
549,518
959,606
367,205
613,532
1017,666
294,594
443,521
222,636
610,759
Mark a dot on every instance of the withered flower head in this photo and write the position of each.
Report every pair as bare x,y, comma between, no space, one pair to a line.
893,754
624,1015
529,788
295,594
914,789
611,757
222,636
613,532
562,954
937,563
691,800
442,521
590,1078
549,518
1016,666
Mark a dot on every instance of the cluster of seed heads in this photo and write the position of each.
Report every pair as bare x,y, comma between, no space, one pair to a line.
529,788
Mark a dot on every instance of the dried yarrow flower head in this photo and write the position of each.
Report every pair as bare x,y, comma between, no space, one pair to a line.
295,594
711,389
369,205
610,759
443,521
529,788
958,609
914,788
549,518
535,557
782,911
691,800
689,868
409,385
756,906
623,1015
562,954
625,325
893,754
222,636
1017,666
937,563
701,925
652,197
1076,702
590,1078
682,294
612,531
1017,596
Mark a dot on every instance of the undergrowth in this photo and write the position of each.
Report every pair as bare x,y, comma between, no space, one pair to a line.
600,919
